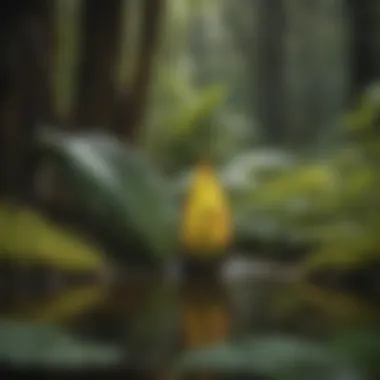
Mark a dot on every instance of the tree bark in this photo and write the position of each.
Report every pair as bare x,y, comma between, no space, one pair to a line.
270,63
25,94
96,89
365,55
132,105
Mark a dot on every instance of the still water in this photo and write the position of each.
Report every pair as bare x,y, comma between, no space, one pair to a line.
149,324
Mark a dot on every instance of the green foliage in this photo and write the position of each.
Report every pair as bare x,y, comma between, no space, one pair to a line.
26,236
184,137
118,187
345,250
332,202
192,115
277,358
362,348
294,201
47,346
255,167
197,104
353,238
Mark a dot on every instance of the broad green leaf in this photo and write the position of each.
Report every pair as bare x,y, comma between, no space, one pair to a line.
26,236
337,307
118,185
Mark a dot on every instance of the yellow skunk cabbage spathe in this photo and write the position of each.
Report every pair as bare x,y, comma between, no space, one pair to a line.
206,222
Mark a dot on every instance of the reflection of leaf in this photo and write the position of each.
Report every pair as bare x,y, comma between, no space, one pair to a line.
27,236
157,313
23,344
152,331
118,187
67,305
338,308
278,358
342,306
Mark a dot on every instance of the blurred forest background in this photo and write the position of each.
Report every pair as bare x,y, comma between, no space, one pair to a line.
108,107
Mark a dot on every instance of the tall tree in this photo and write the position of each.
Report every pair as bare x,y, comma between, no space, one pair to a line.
270,67
100,35
26,34
131,107
365,50
98,103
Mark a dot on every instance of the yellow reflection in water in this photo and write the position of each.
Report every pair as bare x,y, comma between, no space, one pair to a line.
205,315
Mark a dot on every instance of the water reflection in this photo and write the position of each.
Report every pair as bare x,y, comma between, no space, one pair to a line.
205,317
205,314
147,323
312,310
66,305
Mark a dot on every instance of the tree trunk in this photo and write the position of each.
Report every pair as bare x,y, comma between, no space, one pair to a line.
131,108
270,66
25,94
365,63
96,87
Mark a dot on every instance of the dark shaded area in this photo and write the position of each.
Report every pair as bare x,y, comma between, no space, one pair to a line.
7,371
21,282
98,102
365,55
130,108
99,54
362,281
202,270
25,94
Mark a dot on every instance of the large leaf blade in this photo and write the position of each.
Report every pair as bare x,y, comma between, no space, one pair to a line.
118,184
